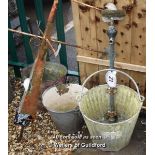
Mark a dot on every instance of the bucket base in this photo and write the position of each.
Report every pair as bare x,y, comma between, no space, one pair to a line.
69,122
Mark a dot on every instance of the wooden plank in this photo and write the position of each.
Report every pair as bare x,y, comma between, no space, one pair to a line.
123,38
88,34
85,35
77,27
138,52
127,39
93,44
138,48
119,65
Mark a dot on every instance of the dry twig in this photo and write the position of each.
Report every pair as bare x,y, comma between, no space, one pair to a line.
54,40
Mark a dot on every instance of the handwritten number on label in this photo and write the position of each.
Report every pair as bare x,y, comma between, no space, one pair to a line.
111,78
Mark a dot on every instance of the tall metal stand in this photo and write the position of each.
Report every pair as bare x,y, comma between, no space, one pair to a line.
111,32
109,15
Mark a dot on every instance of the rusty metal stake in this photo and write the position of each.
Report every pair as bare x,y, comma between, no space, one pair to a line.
19,138
29,104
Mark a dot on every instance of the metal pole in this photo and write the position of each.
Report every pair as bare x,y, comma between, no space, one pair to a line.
23,24
12,50
61,34
40,14
109,15
111,32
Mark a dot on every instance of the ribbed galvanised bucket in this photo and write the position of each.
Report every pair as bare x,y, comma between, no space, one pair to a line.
94,105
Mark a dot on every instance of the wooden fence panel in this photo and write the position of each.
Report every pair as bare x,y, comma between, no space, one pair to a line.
130,41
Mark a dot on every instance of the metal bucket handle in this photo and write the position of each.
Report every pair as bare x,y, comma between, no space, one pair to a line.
141,98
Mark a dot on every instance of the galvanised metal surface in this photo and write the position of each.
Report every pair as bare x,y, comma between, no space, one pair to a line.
68,122
94,105
63,108
111,32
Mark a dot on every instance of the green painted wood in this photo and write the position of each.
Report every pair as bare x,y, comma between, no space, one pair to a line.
40,14
12,51
40,18
19,64
61,34
24,28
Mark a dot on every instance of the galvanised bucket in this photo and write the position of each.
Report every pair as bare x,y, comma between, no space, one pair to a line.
64,109
94,105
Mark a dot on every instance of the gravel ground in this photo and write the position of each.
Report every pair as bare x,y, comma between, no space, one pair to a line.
38,138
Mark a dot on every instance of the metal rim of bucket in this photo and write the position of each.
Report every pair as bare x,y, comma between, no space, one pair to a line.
76,109
141,98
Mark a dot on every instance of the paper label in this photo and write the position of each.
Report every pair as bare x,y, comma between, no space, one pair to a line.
111,78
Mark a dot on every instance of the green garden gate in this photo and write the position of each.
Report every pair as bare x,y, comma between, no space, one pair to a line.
24,27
